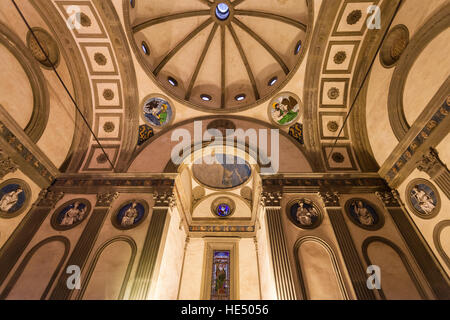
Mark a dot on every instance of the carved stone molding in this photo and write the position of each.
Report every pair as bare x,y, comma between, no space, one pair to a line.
330,199
389,199
7,165
48,198
164,199
106,199
271,199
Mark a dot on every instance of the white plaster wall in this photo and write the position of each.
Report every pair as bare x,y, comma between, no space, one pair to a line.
191,280
248,271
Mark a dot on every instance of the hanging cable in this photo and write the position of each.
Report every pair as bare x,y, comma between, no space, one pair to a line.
364,80
62,82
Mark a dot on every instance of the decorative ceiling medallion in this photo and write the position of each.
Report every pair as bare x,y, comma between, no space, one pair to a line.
15,195
338,157
340,57
333,93
332,126
395,44
108,94
100,59
130,214
85,21
423,198
362,213
157,111
109,127
284,109
221,171
354,17
223,207
215,49
47,43
304,213
70,214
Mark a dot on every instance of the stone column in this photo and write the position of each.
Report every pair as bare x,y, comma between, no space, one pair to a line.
417,245
150,251
280,258
86,242
25,231
436,169
351,257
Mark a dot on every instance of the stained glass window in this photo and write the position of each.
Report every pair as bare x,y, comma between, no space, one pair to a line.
220,280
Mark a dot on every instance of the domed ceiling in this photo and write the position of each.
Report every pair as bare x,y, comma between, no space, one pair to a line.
221,55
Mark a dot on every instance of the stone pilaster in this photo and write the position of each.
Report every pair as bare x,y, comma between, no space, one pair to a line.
417,245
25,231
347,246
85,243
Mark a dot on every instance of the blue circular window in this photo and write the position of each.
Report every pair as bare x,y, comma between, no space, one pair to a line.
223,210
222,11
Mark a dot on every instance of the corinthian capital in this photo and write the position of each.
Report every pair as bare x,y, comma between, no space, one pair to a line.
330,199
7,165
431,164
106,199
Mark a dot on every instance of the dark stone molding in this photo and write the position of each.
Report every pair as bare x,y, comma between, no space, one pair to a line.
24,152
124,183
97,256
436,169
284,280
428,130
351,257
314,183
334,261
150,251
79,79
426,260
25,231
41,102
85,244
118,40
358,127
23,264
317,48
402,256
438,23
437,240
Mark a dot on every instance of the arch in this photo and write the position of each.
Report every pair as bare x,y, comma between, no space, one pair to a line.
41,102
334,262
260,123
21,268
438,23
404,260
96,258
437,240
79,79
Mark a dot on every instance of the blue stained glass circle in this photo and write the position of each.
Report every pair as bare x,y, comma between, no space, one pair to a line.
223,210
222,11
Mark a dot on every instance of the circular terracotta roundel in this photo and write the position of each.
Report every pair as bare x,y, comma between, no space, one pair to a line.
70,214
15,195
423,198
219,55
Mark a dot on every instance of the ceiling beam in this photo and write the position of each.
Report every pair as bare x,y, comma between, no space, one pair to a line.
272,16
245,60
266,46
152,22
200,61
181,45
